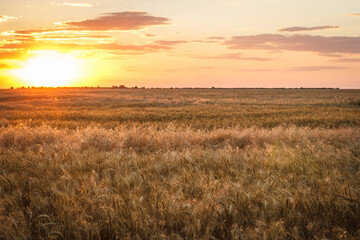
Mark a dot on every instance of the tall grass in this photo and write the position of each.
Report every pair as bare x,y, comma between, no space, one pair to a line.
196,108
70,178
179,183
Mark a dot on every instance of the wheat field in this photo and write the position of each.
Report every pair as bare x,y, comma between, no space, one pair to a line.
179,164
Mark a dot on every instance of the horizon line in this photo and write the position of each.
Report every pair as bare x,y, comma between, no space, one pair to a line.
149,88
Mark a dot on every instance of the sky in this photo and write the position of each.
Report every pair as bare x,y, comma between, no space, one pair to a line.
187,43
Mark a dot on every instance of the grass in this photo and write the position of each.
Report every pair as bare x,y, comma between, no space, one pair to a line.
179,164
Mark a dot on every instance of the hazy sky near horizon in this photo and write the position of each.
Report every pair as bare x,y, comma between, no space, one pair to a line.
168,43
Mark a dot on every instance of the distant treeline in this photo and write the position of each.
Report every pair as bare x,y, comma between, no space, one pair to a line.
136,87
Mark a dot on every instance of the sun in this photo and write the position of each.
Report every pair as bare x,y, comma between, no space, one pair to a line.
50,70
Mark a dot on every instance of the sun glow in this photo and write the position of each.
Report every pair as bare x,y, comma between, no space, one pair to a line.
51,70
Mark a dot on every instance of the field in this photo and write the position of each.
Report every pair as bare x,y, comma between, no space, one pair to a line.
179,164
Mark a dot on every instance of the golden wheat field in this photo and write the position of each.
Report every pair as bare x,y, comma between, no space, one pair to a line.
179,164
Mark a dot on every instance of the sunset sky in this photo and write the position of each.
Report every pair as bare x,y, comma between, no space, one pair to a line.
187,43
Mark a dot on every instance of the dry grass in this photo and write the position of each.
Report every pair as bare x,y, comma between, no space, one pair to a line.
179,178
196,108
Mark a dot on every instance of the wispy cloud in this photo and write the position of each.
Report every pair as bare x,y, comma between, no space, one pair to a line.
30,32
293,69
354,14
124,47
314,68
332,55
347,60
16,50
205,41
233,56
216,38
303,29
256,70
169,42
309,43
64,37
5,18
73,4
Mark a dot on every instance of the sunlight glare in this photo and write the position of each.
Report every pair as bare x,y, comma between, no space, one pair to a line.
51,70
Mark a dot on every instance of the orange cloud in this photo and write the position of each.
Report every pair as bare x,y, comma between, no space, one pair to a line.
204,41
307,43
141,48
314,68
12,54
233,56
7,66
347,60
119,21
75,37
16,50
332,55
256,70
169,43
301,29
216,38
36,31
210,40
